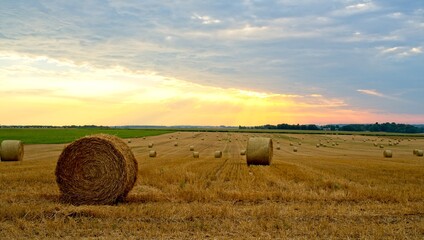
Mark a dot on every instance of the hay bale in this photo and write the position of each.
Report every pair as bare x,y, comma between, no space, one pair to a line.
196,154
278,147
317,145
11,150
150,145
291,144
97,169
152,153
192,148
259,151
243,152
387,153
420,153
295,149
415,151
218,154
129,141
381,146
175,144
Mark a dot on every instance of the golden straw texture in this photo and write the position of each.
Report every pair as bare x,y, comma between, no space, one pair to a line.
388,153
11,150
259,151
152,153
97,169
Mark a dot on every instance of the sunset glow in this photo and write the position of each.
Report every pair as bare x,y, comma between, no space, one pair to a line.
207,68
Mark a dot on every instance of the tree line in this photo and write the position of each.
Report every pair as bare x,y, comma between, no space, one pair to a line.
376,127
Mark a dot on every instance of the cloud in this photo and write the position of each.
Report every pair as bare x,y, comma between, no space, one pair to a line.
205,19
375,93
121,96
401,51
371,92
357,8
296,48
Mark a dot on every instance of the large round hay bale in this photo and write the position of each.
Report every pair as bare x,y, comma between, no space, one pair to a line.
420,153
218,154
259,151
11,150
387,153
97,169
152,153
196,154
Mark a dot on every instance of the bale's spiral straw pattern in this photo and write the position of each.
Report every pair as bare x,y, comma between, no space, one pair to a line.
97,169
11,150
259,151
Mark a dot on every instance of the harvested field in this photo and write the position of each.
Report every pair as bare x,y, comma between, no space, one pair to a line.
347,190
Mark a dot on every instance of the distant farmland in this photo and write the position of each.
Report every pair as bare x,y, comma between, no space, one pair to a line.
344,188
66,135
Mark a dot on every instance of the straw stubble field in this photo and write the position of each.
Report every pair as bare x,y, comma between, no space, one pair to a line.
347,190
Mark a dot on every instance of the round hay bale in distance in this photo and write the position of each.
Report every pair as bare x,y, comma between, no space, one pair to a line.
150,145
243,152
176,144
196,154
295,149
259,151
97,169
415,151
218,154
152,153
420,153
191,148
387,153
11,150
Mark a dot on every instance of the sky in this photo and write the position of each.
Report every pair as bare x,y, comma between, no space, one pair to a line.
249,62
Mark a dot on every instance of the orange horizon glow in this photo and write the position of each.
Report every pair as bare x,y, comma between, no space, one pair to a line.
37,90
